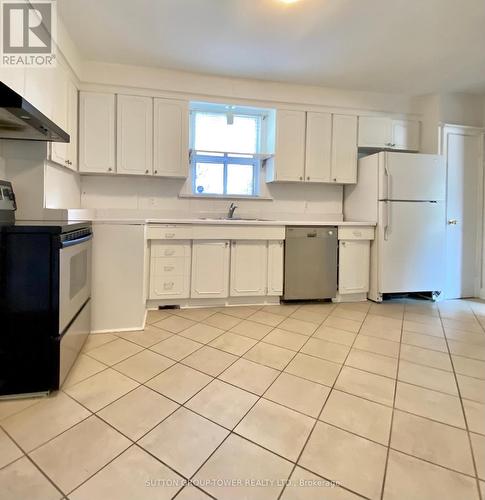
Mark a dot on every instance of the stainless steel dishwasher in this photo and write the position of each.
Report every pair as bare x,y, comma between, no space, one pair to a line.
310,263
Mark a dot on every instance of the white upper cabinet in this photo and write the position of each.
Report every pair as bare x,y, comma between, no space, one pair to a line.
405,134
171,138
288,163
249,261
210,269
65,115
134,135
387,133
96,132
318,147
39,85
344,149
14,77
314,147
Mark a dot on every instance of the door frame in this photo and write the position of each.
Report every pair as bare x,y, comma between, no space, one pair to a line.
444,130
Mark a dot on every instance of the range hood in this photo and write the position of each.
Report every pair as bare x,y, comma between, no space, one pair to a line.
20,120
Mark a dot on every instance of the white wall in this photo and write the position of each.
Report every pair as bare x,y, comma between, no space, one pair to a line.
62,187
161,196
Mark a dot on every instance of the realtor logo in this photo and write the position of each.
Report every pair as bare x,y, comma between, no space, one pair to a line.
28,31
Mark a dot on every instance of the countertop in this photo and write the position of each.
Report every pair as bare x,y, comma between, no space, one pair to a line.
236,222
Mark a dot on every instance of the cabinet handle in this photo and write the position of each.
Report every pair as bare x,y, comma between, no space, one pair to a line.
67,161
146,171
301,178
342,243
308,178
110,169
156,172
334,179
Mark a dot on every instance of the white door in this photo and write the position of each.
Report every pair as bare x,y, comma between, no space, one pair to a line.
462,148
353,274
374,132
411,246
171,138
60,150
248,268
134,135
96,132
210,269
275,267
344,149
405,135
318,147
406,176
290,145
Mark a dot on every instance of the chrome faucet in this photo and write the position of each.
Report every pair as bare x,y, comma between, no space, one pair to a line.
232,209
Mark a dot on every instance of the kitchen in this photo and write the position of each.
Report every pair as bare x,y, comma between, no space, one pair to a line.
267,264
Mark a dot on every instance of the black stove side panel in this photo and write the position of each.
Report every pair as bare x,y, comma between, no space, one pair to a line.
29,312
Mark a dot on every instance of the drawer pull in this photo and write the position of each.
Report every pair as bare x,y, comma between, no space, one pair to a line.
169,252
168,285
169,235
168,268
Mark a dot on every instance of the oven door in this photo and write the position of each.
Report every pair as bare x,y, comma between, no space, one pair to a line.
74,278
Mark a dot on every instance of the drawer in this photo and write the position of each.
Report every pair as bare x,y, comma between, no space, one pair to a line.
169,266
162,287
356,233
169,232
170,249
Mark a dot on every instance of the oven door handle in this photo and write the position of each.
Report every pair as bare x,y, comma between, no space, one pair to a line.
70,243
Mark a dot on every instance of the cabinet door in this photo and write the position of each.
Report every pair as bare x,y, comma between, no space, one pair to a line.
40,85
210,269
248,268
59,150
275,267
134,135
171,138
289,160
344,149
374,132
14,77
318,147
96,132
354,264
405,135
72,114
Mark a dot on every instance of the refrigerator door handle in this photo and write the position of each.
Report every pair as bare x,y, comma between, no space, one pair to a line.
387,225
389,182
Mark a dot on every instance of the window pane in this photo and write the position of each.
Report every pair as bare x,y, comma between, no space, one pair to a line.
209,178
240,179
212,133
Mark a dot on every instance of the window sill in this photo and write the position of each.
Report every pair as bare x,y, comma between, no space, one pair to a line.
225,197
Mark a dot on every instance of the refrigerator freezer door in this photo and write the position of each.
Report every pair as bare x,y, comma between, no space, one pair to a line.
411,243
414,177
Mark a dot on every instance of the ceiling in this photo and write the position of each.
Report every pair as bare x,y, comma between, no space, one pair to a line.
406,46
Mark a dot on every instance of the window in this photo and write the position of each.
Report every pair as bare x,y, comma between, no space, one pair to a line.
226,149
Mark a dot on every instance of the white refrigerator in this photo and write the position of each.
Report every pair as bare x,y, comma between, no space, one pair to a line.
405,194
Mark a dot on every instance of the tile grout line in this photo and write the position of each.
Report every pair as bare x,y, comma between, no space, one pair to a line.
467,429
320,414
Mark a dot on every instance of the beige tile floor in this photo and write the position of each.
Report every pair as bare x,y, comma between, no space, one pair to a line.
314,401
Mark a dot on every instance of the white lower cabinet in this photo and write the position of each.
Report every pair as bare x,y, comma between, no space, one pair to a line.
354,261
249,261
170,269
210,269
276,252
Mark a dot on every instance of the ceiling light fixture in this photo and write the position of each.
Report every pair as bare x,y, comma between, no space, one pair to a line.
289,1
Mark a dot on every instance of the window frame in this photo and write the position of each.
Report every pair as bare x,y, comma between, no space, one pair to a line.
226,158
